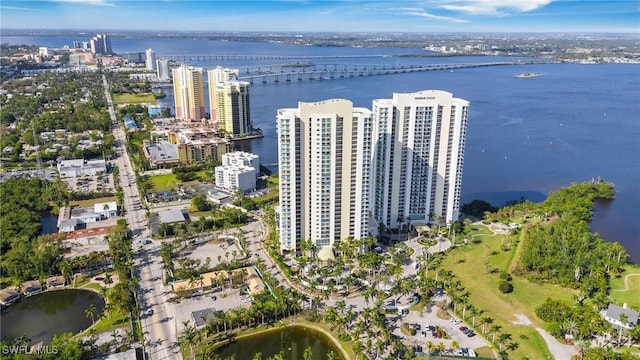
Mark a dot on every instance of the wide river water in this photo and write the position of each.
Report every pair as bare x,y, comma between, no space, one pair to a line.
526,136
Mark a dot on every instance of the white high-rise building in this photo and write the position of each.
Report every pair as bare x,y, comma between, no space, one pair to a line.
163,72
101,44
418,151
150,59
324,152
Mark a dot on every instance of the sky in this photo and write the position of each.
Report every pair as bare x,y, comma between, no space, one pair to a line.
326,15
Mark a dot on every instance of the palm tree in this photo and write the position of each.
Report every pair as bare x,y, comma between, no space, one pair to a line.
441,347
430,346
91,312
623,320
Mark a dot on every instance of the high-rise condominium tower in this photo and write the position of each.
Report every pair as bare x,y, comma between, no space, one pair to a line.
150,60
324,153
188,92
229,101
163,72
101,44
418,152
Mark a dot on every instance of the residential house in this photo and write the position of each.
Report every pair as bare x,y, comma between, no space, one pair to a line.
614,314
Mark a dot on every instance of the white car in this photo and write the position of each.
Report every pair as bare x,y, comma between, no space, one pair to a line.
149,312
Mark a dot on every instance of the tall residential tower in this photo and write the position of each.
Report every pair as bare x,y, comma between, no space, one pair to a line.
324,152
346,171
188,91
229,101
418,151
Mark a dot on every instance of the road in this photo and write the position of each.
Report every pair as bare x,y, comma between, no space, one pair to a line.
159,327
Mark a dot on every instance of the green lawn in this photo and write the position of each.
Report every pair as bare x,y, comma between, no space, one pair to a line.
110,321
90,202
630,296
473,265
134,98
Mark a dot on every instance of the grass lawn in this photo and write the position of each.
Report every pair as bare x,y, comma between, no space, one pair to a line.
111,321
134,98
473,265
167,182
90,202
630,296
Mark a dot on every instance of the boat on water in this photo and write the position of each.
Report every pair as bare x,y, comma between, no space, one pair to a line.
528,75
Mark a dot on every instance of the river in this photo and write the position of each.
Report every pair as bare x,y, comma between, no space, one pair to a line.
526,136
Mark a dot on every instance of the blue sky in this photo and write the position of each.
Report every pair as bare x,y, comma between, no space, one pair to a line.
329,16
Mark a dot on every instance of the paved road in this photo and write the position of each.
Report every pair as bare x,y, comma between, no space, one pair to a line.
162,331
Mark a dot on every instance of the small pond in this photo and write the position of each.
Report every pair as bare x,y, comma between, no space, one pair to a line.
52,312
291,340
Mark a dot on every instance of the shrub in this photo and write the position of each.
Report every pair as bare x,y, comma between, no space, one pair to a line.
505,287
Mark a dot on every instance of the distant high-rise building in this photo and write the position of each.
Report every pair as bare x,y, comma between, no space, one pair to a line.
150,59
324,154
229,101
163,71
77,45
135,58
418,150
188,92
101,44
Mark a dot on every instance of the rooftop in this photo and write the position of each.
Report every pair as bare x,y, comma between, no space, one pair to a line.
171,216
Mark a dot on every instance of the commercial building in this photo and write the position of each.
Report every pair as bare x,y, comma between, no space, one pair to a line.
229,101
150,59
235,178
101,44
160,154
81,167
324,153
163,71
188,92
418,151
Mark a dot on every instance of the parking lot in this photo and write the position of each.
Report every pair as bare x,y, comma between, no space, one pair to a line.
87,183
217,251
428,321
224,301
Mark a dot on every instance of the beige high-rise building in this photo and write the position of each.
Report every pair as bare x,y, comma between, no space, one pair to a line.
324,153
229,101
188,91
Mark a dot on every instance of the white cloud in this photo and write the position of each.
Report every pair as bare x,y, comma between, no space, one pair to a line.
18,8
423,13
87,2
490,7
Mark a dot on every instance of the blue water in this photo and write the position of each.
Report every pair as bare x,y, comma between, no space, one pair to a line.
526,137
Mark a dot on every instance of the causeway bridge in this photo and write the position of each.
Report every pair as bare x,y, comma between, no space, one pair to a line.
309,71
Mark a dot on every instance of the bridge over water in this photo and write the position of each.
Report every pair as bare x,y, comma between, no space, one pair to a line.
309,71
197,57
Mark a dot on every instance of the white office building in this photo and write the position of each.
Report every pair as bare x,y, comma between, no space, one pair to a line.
324,152
242,158
150,59
81,167
418,151
234,178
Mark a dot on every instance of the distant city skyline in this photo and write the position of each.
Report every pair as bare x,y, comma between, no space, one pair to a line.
327,16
